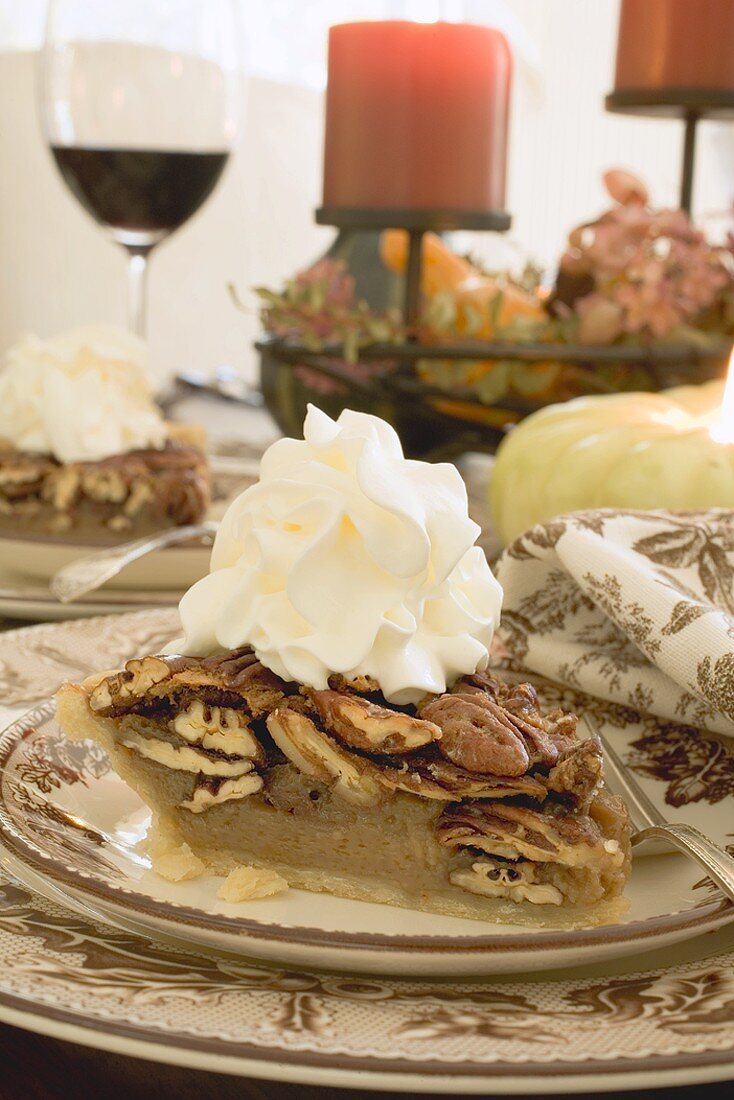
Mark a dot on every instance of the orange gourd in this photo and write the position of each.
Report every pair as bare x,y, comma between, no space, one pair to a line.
472,291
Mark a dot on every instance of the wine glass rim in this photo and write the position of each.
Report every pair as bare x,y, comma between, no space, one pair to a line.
231,64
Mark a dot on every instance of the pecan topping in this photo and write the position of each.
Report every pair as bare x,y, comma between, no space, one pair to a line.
516,881
362,685
367,726
219,728
135,680
477,735
441,780
314,753
549,833
484,742
232,679
546,736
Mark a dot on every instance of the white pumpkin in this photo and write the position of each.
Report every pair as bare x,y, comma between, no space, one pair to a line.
630,450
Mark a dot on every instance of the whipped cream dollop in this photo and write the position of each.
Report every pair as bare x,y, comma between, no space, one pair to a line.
80,397
347,557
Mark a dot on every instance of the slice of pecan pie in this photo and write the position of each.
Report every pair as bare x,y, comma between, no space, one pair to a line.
472,803
121,496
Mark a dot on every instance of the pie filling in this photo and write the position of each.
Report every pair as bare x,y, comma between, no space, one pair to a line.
136,492
466,799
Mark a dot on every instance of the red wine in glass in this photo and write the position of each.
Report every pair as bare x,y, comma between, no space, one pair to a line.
144,191
140,105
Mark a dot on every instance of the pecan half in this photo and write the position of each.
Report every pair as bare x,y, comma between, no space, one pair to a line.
133,681
220,728
443,781
314,753
477,735
546,736
232,679
516,881
549,833
372,728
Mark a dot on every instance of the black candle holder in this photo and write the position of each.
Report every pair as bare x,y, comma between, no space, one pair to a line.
437,422
689,104
416,223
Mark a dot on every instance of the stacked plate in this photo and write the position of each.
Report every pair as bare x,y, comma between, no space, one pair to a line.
94,947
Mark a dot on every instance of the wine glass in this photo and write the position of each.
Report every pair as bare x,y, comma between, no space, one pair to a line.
140,105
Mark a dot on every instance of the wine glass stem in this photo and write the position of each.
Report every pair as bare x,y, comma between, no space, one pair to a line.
137,282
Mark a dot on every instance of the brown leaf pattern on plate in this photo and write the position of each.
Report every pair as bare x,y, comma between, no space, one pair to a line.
52,760
694,765
102,977
36,660
681,1003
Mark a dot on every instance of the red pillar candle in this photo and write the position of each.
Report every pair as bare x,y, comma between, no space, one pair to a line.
675,44
416,117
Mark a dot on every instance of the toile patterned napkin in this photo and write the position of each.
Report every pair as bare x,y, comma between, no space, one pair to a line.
634,607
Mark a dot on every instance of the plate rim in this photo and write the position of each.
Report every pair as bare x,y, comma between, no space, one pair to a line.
338,1067
92,544
702,917
601,1074
98,598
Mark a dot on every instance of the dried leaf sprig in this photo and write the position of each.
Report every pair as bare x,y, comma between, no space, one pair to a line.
319,306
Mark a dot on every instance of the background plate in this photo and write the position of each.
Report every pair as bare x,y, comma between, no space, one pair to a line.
173,568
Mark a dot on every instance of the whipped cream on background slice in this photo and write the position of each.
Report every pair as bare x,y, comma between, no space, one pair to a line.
347,557
80,396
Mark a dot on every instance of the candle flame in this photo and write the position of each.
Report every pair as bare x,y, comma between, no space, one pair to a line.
723,431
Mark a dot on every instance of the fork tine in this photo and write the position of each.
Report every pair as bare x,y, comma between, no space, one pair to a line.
642,809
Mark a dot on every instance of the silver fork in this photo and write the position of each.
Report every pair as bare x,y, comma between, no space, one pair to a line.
92,571
650,825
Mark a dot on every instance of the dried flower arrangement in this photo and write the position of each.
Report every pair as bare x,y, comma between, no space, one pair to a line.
637,273
636,276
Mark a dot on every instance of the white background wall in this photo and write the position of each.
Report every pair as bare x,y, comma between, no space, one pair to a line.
57,268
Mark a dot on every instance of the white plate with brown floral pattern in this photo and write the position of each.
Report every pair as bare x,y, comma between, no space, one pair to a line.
664,1020
66,817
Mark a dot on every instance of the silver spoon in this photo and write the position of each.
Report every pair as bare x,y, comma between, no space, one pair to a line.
91,572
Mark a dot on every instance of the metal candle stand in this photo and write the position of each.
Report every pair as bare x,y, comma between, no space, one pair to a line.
689,104
417,408
417,223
